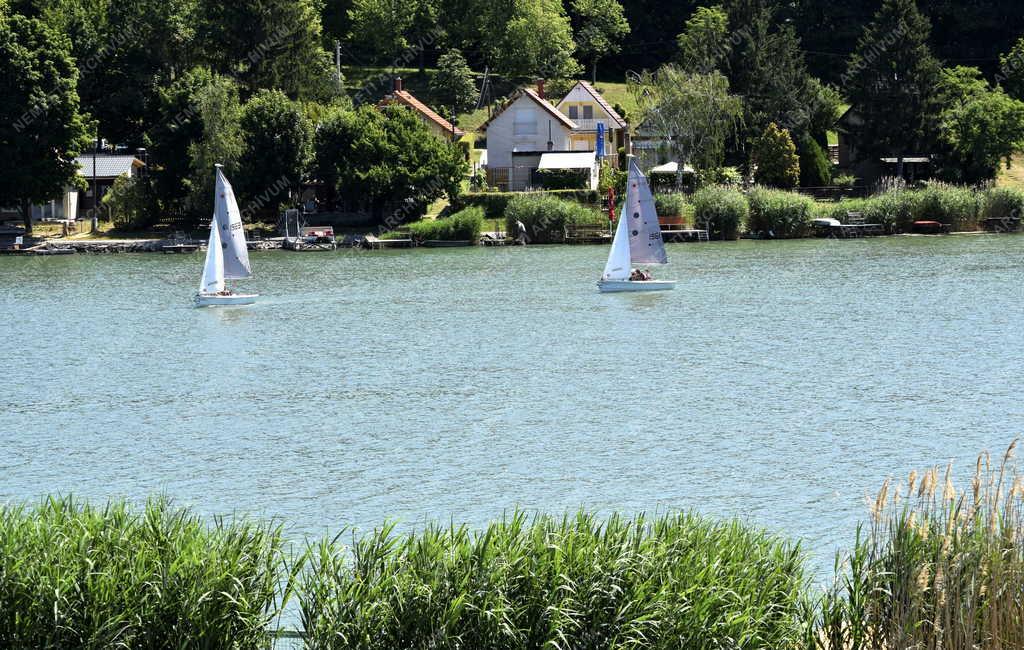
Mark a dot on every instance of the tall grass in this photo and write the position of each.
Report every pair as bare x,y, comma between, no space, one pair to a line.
76,576
545,216
783,214
464,225
938,567
669,205
722,211
678,581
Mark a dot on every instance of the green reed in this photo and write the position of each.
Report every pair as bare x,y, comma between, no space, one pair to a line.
78,576
678,581
938,567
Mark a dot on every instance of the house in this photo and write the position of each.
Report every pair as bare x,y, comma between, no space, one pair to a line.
439,126
869,169
592,113
108,168
651,145
528,134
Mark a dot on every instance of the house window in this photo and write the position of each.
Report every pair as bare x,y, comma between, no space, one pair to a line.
574,112
588,112
525,122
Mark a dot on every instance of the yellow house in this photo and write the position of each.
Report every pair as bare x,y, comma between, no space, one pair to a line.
587,108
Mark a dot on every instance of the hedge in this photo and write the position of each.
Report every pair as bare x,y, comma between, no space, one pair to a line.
776,213
464,225
495,203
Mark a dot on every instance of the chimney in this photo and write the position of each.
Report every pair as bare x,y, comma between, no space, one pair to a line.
540,88
398,84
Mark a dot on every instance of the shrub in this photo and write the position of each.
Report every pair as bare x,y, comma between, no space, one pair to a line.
721,210
815,167
952,204
844,180
774,154
127,204
669,205
558,582
779,213
563,179
545,216
76,576
938,569
496,203
1003,203
464,225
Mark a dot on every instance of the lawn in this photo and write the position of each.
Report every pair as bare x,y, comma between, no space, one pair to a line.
1014,176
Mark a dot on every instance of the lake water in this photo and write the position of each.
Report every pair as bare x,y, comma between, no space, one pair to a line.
781,382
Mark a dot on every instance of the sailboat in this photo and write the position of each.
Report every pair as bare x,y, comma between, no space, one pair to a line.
637,240
227,257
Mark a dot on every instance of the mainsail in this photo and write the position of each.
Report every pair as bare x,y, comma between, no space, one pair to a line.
645,243
228,217
213,270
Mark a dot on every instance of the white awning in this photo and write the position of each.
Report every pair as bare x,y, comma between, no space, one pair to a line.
671,168
908,159
574,160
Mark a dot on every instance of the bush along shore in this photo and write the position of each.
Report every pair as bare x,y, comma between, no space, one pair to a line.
935,567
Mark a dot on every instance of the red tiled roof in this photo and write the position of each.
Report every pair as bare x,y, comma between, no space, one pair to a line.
540,101
405,98
603,103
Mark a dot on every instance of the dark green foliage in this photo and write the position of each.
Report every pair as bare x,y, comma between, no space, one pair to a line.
675,581
464,225
779,214
41,128
386,159
1003,203
891,82
722,211
495,203
278,147
453,84
815,167
897,210
563,179
77,576
546,216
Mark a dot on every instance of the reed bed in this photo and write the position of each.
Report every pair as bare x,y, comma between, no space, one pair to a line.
937,568
76,576
677,581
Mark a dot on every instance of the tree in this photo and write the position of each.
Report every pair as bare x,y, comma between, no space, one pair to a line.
41,127
695,112
453,84
278,146
774,154
891,82
269,44
379,27
598,27
1011,73
980,128
704,42
531,38
815,168
219,112
386,157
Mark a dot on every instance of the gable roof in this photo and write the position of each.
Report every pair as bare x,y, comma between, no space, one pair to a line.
406,98
601,101
107,165
540,101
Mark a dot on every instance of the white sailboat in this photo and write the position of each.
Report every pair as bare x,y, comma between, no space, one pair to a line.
637,240
227,257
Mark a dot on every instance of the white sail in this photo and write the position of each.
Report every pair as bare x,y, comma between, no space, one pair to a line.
617,267
213,270
645,243
229,218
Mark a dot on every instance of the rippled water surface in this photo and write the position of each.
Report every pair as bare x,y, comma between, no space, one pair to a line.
780,382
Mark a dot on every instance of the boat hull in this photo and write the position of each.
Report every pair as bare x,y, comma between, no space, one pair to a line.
233,300
622,286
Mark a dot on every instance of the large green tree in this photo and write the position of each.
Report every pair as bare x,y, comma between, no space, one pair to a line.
705,41
530,38
41,127
598,27
453,84
386,159
694,112
378,28
277,149
980,127
219,112
891,82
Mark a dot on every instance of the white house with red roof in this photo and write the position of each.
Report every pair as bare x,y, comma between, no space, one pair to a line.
522,132
592,113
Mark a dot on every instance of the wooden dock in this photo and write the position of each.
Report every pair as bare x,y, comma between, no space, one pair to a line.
587,235
371,242
674,229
